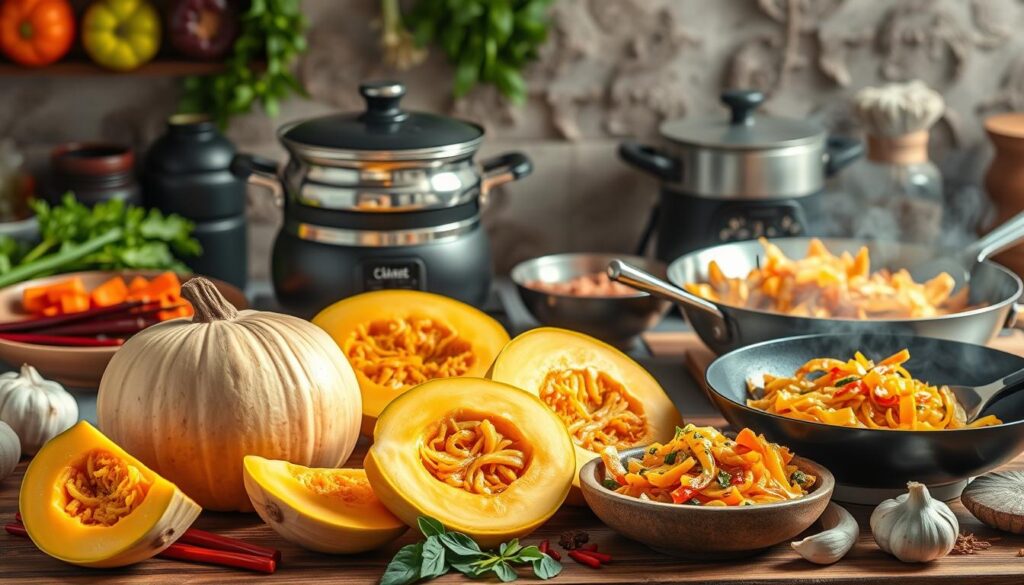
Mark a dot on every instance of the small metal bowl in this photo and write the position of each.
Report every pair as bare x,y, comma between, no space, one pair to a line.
617,320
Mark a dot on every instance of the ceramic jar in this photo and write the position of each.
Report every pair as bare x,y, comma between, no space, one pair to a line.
187,171
1004,181
94,172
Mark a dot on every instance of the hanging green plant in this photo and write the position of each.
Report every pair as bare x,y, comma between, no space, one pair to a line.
488,41
273,34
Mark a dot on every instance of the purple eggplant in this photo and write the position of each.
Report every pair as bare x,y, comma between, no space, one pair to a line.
204,29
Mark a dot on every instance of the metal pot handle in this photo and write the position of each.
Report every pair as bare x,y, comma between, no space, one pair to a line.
650,159
638,279
840,151
1005,235
502,169
257,170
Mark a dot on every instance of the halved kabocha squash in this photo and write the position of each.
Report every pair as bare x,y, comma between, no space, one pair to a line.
603,397
85,501
484,458
396,339
326,510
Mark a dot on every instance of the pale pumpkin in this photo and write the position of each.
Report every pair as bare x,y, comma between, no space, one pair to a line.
396,339
483,458
85,501
36,408
10,450
326,510
604,398
192,398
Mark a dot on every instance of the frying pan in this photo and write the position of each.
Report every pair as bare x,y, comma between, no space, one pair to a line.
723,327
871,464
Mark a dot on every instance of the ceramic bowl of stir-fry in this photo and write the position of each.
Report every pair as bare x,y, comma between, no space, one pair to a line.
707,495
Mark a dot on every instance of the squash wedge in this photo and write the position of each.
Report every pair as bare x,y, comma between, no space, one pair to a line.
603,397
87,502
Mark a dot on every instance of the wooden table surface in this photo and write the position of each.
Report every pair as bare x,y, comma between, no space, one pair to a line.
21,563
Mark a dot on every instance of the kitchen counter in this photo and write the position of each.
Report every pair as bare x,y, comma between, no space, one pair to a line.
23,564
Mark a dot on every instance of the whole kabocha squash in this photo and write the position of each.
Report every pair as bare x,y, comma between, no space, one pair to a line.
192,398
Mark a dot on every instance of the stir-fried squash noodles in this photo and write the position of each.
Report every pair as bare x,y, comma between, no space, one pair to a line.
472,455
597,410
102,489
861,393
403,352
828,286
700,466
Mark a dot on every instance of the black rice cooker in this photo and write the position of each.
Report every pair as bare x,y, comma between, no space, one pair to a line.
738,177
381,199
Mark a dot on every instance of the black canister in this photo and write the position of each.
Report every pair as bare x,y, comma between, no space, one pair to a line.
187,171
94,172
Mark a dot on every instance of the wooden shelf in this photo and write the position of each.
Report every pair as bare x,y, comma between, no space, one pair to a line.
82,68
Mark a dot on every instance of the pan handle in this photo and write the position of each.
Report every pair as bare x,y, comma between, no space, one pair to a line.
1004,236
638,279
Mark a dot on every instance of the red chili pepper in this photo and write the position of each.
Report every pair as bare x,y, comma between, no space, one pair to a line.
834,372
544,544
603,557
554,554
885,400
584,559
682,494
738,476
592,547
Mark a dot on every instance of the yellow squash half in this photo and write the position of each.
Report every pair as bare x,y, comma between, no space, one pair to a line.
484,458
603,397
396,339
326,510
85,501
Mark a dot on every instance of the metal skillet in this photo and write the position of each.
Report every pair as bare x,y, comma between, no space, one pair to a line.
993,289
871,465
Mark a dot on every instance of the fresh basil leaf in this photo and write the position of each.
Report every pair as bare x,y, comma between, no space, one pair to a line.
433,559
405,567
546,567
501,20
529,553
505,572
670,459
430,526
460,544
724,479
510,549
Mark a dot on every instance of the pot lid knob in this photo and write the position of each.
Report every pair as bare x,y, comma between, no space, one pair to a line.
741,104
382,101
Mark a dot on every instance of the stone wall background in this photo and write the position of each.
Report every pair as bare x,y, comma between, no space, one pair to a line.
612,69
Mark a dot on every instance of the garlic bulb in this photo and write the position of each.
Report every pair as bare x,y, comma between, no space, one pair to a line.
36,408
914,528
10,450
830,545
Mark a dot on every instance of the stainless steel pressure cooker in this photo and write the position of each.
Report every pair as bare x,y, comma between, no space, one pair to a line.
739,177
384,198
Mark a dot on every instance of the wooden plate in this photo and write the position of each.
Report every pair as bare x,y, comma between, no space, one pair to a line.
77,367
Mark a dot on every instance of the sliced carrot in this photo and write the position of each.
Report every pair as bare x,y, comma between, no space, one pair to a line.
33,299
138,283
164,283
51,311
58,290
109,293
174,313
74,303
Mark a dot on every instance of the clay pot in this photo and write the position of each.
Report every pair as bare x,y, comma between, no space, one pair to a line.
1004,180
94,172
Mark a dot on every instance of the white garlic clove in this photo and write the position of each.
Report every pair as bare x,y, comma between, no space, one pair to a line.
838,537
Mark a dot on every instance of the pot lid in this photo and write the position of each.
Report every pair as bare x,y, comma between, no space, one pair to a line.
384,130
742,129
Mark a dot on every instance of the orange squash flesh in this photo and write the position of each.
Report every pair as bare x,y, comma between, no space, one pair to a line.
602,396
523,480
138,515
396,339
326,510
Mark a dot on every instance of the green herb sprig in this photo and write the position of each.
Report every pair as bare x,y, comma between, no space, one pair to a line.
488,41
443,551
109,236
274,32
